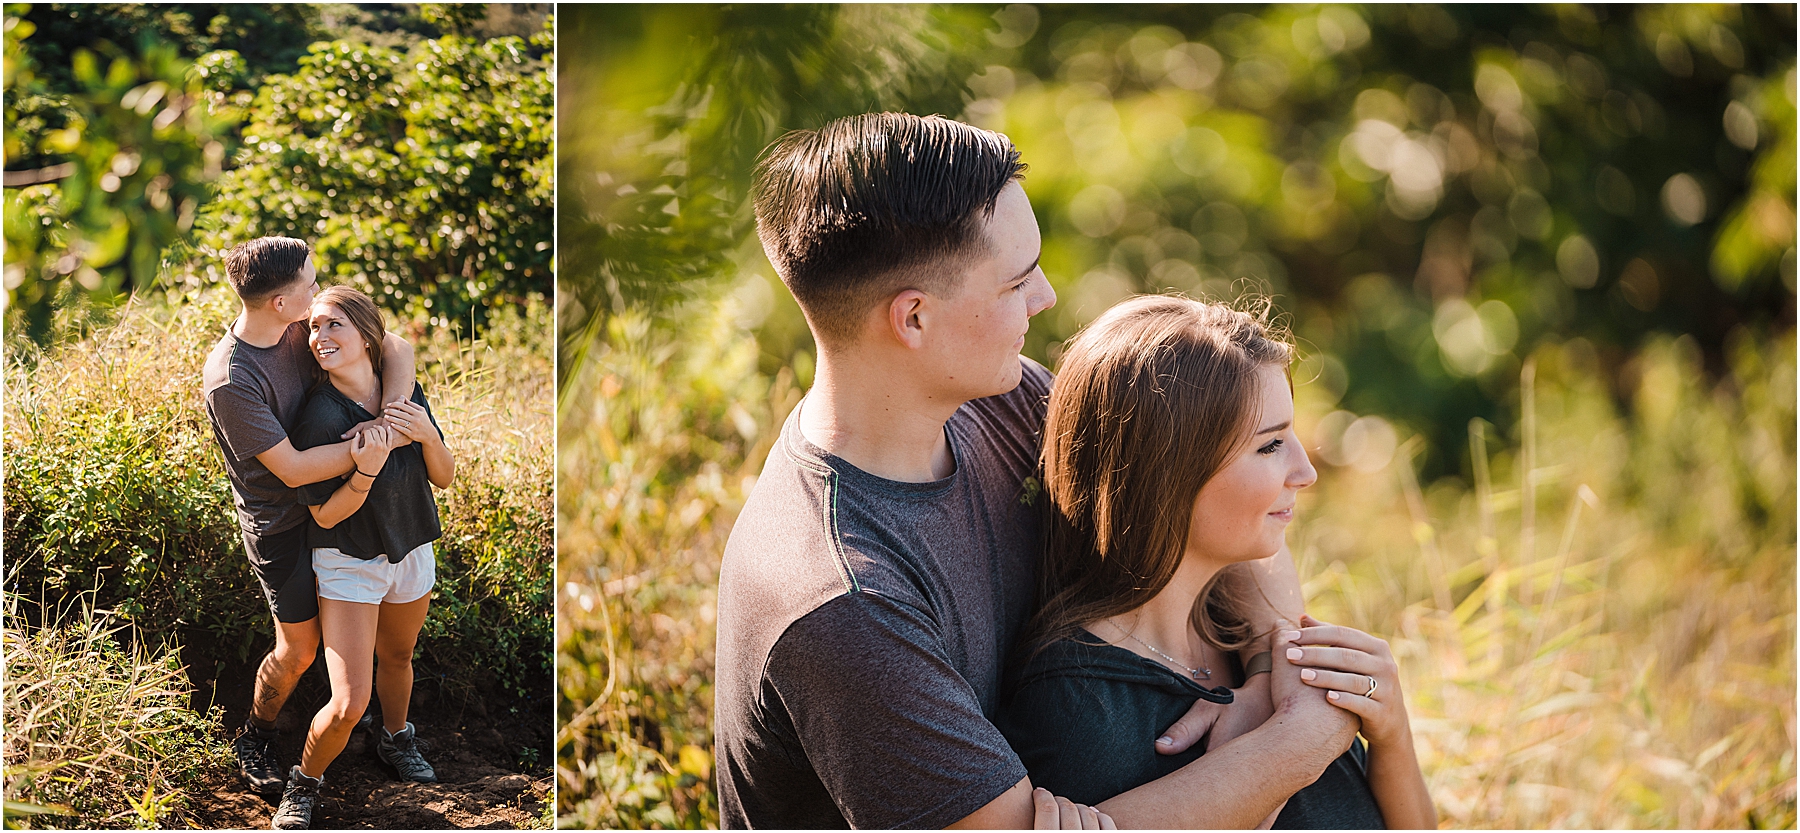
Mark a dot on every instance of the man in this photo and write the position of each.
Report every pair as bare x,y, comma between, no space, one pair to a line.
255,382
884,562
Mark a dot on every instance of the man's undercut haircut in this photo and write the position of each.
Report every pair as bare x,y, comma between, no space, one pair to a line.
261,268
869,205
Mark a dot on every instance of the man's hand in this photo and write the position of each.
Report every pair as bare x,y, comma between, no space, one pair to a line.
1296,700
1192,728
1058,813
1216,724
360,427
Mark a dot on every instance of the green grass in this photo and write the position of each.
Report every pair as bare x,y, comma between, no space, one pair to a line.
98,729
1595,628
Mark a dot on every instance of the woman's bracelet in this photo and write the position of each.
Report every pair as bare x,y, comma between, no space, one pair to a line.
365,474
1259,664
358,491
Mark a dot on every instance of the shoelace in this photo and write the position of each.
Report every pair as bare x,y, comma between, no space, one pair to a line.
410,757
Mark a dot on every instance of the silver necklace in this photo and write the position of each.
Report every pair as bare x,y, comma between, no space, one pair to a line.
1201,673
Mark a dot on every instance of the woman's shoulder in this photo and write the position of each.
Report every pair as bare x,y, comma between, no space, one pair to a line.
323,417
1083,716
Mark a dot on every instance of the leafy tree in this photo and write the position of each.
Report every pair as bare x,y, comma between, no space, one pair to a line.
422,177
1431,191
692,94
138,149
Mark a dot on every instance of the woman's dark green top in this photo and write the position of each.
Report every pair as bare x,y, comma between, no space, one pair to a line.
399,513
1084,717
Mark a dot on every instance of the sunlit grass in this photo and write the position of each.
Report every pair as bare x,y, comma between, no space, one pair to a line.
1621,655
98,729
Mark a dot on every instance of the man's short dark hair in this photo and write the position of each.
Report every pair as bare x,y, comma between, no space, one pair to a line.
263,267
866,206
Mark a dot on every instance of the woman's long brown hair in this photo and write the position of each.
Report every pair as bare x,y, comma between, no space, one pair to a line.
1151,400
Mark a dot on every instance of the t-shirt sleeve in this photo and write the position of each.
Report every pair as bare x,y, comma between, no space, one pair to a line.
245,421
896,735
315,429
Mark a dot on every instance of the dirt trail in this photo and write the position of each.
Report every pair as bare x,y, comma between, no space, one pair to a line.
488,776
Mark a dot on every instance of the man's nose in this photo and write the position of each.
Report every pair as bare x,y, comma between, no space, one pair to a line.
1042,298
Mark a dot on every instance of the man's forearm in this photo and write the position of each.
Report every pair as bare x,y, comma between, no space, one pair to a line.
397,370
317,464
1235,785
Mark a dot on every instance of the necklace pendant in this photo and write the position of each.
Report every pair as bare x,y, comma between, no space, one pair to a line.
1202,675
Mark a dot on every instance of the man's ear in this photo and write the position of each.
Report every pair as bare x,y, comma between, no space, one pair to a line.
907,316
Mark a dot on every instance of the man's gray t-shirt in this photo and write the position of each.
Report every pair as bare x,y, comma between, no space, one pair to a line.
253,398
864,624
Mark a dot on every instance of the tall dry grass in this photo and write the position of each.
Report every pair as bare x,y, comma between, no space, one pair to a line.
98,728
1595,628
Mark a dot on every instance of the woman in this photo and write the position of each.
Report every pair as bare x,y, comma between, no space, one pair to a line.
1169,457
371,539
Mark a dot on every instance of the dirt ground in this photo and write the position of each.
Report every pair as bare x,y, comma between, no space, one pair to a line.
492,761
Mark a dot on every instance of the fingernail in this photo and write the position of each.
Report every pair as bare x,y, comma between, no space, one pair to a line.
1332,694
1165,740
1289,636
1294,653
1309,674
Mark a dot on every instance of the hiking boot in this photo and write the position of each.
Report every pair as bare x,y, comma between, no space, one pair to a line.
297,802
255,751
401,753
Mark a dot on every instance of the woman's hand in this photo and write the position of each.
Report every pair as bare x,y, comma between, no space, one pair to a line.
411,421
369,449
1359,675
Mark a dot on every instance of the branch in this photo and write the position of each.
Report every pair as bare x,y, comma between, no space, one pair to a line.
20,179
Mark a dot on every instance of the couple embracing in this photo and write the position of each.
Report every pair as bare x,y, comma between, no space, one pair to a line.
332,452
964,593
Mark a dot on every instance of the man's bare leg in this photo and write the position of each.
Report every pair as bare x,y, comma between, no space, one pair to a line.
296,644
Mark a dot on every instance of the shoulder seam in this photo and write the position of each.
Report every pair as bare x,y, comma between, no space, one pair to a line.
832,531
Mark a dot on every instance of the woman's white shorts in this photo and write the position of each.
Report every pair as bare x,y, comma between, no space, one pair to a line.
347,578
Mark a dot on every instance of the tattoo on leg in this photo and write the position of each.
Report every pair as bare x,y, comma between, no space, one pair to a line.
273,685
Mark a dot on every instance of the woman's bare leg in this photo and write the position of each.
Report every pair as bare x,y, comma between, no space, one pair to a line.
395,637
348,630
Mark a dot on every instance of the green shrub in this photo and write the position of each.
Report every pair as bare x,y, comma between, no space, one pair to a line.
99,732
422,177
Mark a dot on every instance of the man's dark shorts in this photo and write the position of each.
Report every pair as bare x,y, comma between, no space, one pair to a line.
283,564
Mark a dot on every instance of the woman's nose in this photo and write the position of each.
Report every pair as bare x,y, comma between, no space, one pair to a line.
1303,474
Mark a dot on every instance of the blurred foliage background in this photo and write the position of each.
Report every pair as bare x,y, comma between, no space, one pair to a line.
1540,262
410,143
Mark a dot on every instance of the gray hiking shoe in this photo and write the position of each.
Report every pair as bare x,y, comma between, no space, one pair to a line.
255,752
401,753
297,802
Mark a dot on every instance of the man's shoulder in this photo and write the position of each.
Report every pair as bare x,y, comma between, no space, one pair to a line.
217,370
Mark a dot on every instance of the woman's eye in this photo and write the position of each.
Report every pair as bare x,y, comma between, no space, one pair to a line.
1271,447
